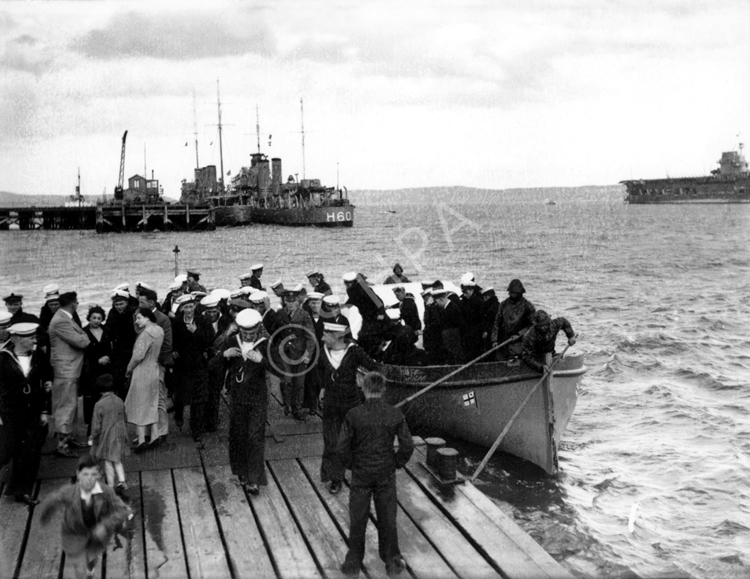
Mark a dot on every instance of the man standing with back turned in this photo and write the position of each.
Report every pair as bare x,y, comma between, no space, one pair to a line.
366,447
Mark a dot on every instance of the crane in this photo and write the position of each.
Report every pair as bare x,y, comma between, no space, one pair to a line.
118,189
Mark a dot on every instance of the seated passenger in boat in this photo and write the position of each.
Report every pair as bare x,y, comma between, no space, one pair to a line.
540,339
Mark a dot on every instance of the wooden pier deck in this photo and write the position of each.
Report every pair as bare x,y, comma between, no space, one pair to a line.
192,520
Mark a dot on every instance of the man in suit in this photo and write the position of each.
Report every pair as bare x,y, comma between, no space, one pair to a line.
67,344
148,298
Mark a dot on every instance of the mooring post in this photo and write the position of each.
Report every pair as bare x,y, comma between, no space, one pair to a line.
176,250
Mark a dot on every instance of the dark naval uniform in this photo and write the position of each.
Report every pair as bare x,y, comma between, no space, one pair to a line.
23,400
341,395
246,382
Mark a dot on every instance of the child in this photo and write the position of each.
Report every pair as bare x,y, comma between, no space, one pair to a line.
366,447
91,514
109,433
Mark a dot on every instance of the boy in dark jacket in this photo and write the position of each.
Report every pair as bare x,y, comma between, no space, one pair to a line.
366,447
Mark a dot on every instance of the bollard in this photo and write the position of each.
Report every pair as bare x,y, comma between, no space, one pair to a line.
447,463
433,444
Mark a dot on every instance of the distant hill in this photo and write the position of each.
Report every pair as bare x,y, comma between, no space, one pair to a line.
475,195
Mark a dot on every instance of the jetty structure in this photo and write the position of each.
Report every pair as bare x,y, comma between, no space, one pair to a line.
191,520
730,183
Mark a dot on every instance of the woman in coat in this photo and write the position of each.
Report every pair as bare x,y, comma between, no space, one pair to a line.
340,393
97,361
142,401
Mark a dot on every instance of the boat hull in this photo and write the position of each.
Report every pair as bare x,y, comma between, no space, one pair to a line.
689,190
478,403
334,216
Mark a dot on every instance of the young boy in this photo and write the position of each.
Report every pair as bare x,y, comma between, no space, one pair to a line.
91,514
366,447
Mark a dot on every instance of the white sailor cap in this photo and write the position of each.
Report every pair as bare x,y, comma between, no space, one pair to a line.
332,300
182,278
245,276
185,299
248,319
143,284
175,285
5,318
23,329
349,276
277,284
488,290
120,294
439,293
467,279
51,289
333,327
426,292
257,296
122,286
246,290
314,272
223,294
210,301
298,288
236,294
393,313
316,295
256,267
399,289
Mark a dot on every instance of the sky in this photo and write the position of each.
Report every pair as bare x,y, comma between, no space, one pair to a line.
482,94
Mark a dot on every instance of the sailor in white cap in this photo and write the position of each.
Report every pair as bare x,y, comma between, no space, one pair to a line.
176,289
245,279
193,277
471,307
408,308
246,361
192,336
26,378
213,315
254,281
339,363
318,283
277,288
297,338
4,325
50,306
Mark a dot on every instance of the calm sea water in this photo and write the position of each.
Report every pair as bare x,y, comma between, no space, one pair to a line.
655,467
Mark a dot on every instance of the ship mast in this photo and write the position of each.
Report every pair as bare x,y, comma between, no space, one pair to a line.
195,132
257,127
302,114
221,152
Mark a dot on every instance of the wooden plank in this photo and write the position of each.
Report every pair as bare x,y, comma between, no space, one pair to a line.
248,556
497,547
205,551
422,559
43,553
285,541
522,541
463,558
165,557
14,517
125,552
325,540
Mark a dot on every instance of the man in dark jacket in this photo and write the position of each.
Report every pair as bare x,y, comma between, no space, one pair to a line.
366,447
451,325
472,308
514,318
540,340
408,309
25,385
14,304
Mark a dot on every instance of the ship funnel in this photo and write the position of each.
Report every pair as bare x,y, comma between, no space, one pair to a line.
275,175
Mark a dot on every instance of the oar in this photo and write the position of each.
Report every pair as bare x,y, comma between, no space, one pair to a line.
492,450
456,371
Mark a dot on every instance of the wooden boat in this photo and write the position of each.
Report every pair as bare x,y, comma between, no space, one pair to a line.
477,403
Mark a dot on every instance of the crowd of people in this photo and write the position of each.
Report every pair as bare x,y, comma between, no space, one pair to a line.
145,358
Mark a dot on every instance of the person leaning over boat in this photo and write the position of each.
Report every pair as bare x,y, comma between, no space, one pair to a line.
407,309
515,317
370,307
540,339
25,384
339,362
365,446
245,357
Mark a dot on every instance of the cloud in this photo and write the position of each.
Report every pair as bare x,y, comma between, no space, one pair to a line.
26,54
181,37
